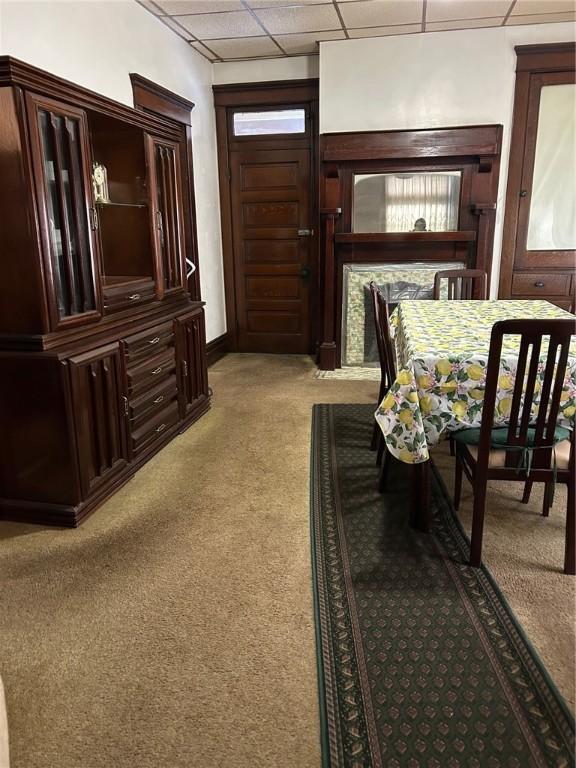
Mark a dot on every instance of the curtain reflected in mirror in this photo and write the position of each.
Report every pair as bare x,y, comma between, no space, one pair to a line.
552,224
406,202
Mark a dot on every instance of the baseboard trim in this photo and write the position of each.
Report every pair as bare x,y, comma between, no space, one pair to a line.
217,348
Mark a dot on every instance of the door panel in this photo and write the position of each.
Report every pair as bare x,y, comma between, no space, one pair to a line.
271,204
99,393
190,356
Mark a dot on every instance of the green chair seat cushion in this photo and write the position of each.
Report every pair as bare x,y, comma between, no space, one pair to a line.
500,437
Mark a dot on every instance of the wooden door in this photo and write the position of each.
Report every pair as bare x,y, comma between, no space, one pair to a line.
272,217
101,412
191,361
60,154
167,214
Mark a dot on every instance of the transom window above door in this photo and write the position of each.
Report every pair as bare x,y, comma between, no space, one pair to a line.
269,122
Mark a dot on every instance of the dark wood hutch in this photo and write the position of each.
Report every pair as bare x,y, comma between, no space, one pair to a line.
102,342
474,151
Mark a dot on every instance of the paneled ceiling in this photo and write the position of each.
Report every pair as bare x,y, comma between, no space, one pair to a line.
231,30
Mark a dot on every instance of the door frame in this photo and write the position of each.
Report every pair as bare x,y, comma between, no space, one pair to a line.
249,95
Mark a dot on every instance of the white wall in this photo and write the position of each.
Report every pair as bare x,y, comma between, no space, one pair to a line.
435,79
97,44
289,68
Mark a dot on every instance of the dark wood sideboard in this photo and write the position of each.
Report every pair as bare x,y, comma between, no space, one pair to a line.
102,340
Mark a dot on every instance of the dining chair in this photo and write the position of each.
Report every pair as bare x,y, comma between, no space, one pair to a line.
531,447
387,358
462,284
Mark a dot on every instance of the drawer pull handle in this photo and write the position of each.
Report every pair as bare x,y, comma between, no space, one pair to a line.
161,428
156,371
134,296
159,399
155,340
538,284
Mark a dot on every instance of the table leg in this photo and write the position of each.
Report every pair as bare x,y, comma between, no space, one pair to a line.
421,509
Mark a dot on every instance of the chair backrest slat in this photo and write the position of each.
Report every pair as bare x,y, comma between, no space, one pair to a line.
386,353
552,336
463,284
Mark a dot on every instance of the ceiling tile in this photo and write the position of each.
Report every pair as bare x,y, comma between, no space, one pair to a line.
309,18
308,41
204,51
280,3
207,26
443,10
381,13
541,18
436,26
398,29
525,7
184,7
247,48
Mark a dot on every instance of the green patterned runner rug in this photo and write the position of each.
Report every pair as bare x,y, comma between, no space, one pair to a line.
421,661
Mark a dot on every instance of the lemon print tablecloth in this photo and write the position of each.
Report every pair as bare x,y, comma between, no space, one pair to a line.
442,351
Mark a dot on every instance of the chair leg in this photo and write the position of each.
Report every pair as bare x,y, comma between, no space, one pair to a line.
547,501
570,544
457,483
375,432
383,471
477,524
527,491
381,449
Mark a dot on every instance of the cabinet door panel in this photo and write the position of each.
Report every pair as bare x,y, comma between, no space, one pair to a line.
99,392
191,357
63,182
166,191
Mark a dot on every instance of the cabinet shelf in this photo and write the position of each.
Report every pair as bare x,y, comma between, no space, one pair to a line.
121,205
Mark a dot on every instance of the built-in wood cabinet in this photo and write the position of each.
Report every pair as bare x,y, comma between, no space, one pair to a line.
539,240
102,342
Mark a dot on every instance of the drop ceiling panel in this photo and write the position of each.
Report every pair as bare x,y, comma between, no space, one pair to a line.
447,10
223,30
372,13
306,18
210,26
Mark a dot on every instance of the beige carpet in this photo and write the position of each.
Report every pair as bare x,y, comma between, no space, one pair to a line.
175,629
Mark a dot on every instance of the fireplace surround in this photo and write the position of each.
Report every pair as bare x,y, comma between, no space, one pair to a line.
472,152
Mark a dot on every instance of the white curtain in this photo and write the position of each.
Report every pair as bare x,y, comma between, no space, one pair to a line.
432,197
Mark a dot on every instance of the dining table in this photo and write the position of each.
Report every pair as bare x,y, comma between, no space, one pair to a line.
442,350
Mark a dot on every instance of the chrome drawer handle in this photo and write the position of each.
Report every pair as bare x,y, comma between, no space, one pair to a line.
538,285
159,399
156,371
155,340
134,296
161,428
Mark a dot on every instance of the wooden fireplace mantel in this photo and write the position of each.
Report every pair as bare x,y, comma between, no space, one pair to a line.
473,150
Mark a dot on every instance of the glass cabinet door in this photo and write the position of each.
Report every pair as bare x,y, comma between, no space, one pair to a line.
62,171
166,194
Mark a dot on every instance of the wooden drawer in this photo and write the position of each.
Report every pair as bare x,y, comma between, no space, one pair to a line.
121,295
149,373
154,428
544,285
148,343
153,400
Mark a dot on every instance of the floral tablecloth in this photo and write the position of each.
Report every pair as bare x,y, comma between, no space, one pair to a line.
442,351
